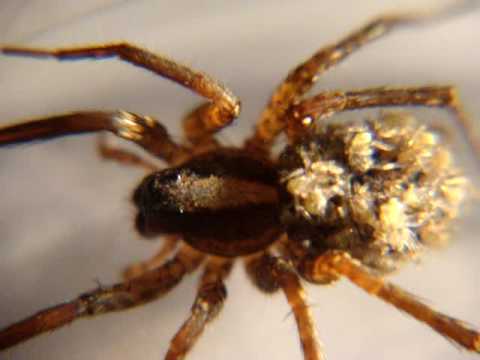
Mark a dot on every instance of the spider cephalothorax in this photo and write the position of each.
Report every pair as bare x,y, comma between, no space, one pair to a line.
346,200
224,202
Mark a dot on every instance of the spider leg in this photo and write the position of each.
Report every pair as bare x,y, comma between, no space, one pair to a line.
301,79
336,263
117,297
122,156
198,128
327,103
142,130
270,273
209,301
169,245
225,107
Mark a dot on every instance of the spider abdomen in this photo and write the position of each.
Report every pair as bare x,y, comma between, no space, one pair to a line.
382,190
223,203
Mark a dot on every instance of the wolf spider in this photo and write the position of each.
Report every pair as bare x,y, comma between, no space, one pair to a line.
351,200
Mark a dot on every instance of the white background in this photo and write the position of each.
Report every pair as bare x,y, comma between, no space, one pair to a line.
65,216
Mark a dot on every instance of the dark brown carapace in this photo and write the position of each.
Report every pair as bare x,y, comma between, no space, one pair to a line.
224,203
353,200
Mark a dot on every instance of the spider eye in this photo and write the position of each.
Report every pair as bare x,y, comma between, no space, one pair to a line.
157,192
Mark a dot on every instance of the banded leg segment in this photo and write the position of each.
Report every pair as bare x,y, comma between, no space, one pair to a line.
103,300
328,103
225,107
209,301
269,274
142,130
301,79
304,114
337,263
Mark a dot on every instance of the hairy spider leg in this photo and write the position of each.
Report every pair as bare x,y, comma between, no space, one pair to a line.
339,263
301,79
328,103
197,127
269,273
222,110
210,298
142,130
121,296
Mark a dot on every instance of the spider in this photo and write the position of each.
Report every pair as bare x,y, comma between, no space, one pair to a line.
352,200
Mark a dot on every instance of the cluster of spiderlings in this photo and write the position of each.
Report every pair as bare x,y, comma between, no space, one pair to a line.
381,189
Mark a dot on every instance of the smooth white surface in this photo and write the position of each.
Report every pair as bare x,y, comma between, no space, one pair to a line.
65,216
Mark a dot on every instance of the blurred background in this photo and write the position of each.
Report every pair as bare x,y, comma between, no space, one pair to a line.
65,217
